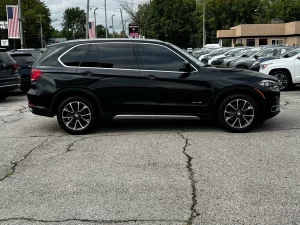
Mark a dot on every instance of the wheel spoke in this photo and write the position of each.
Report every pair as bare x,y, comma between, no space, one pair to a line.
85,107
232,106
72,117
228,118
80,124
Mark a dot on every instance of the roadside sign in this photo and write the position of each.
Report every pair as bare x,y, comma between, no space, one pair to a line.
4,42
133,30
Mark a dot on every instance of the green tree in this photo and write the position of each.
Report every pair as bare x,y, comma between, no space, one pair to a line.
101,31
31,11
57,34
73,23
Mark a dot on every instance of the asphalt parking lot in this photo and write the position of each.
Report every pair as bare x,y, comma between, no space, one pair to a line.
168,173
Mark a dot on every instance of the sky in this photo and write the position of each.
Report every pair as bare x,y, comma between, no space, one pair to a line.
57,8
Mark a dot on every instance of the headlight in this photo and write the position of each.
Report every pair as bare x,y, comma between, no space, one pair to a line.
270,85
264,66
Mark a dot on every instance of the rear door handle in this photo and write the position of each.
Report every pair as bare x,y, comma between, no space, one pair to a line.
151,77
87,73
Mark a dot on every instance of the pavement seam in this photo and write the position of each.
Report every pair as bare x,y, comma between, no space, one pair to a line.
15,164
87,220
194,213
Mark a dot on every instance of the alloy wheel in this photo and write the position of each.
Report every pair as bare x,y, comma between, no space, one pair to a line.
239,113
283,80
76,115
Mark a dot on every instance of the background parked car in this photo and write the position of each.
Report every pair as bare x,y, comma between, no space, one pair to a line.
212,54
218,60
9,76
285,69
243,54
284,54
201,52
25,60
36,53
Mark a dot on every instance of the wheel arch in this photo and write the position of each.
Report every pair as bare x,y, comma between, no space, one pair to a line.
287,70
237,90
70,92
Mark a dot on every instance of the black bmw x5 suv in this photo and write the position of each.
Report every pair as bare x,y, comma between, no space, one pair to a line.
86,80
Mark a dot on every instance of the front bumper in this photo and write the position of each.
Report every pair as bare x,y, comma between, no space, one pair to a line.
272,105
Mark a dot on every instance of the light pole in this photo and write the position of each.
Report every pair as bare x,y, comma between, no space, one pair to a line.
95,22
41,31
21,26
87,19
204,24
105,19
112,25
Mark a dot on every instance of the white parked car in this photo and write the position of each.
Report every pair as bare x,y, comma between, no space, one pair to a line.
286,69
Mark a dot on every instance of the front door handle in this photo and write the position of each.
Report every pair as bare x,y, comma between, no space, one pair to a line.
151,77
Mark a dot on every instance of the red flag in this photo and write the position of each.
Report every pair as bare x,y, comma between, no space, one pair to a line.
13,21
92,30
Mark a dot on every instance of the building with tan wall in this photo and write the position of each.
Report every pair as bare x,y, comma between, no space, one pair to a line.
263,34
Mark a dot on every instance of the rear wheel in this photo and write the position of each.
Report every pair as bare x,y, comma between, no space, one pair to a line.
76,115
285,81
238,113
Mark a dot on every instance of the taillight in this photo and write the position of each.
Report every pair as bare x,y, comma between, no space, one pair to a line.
36,74
16,68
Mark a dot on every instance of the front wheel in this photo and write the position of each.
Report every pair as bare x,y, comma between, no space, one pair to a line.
238,113
285,81
76,115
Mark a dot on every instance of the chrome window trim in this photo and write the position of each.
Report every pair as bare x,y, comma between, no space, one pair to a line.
161,71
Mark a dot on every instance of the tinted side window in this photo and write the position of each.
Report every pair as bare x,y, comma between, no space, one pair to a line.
155,57
75,56
116,55
91,58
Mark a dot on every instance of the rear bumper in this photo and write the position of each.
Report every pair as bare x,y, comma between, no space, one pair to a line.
9,84
40,110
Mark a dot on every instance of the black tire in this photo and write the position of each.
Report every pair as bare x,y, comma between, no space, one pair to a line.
242,67
79,116
24,90
284,78
3,96
244,122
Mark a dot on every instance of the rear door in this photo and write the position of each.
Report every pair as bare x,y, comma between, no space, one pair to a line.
110,71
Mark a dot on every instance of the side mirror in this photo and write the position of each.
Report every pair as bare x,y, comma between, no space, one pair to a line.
298,57
185,67
256,56
244,55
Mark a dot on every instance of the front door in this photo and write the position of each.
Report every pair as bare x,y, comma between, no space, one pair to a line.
165,89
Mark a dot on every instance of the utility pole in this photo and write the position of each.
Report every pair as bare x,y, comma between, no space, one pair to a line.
123,32
87,19
204,35
112,25
41,31
20,22
95,22
105,19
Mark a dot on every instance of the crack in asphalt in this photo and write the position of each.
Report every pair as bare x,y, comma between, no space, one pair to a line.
15,164
88,220
194,212
68,149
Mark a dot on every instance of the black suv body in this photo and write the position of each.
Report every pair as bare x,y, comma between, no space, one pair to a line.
82,81
9,76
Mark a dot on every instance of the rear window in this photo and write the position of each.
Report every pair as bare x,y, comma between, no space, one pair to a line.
23,59
5,58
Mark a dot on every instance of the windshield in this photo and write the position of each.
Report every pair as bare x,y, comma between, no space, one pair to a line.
189,56
252,52
232,52
291,53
